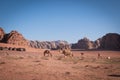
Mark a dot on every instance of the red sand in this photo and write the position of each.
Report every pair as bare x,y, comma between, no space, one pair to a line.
33,65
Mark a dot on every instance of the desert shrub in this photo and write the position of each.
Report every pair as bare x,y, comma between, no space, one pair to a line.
21,49
2,62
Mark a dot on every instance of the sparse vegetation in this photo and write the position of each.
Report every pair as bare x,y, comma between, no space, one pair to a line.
2,62
58,66
109,61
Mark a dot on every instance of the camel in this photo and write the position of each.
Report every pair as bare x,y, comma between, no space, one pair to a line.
99,56
82,55
47,52
66,52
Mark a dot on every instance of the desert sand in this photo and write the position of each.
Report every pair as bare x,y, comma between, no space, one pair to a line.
15,65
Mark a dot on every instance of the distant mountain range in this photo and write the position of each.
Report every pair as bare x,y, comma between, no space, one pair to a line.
110,41
47,44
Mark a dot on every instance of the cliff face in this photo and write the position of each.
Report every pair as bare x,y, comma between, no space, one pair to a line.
48,44
16,38
110,41
13,37
2,33
85,43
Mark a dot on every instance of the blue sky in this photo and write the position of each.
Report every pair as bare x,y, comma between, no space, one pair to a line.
68,20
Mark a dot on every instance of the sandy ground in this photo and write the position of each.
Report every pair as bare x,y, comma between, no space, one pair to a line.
16,65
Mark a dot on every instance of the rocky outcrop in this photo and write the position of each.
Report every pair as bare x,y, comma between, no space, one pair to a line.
12,49
97,43
110,41
2,33
16,38
85,43
13,37
48,44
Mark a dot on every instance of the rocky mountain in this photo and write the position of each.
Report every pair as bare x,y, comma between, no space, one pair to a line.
85,43
16,38
110,41
48,44
13,37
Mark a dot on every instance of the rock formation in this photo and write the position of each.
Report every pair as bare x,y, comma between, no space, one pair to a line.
48,44
110,41
16,38
84,43
13,37
2,33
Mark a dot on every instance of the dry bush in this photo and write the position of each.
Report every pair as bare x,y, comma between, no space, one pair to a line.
2,62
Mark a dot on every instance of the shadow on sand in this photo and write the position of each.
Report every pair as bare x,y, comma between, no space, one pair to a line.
114,75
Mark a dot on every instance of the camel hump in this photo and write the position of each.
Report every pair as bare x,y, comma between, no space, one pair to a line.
47,51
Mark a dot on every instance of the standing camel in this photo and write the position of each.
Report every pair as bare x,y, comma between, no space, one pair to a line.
47,52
